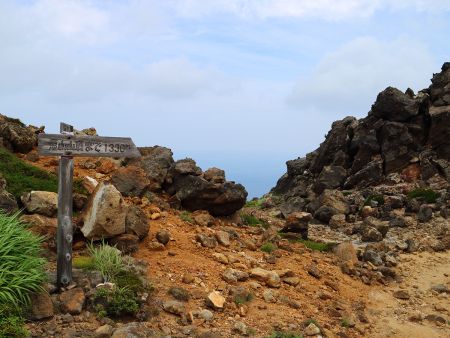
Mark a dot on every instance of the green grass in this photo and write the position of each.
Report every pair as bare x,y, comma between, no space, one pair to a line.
345,323
268,247
115,302
22,177
316,246
106,259
428,195
256,203
186,216
83,262
253,221
21,264
11,323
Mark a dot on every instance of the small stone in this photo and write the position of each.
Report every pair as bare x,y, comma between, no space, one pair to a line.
312,330
179,294
156,246
155,216
269,296
402,294
188,278
206,241
223,238
206,315
174,307
314,271
104,331
241,328
163,237
436,318
220,257
440,288
233,276
294,281
72,301
215,300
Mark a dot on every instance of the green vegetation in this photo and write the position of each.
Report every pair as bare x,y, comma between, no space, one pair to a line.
377,198
129,280
186,216
83,262
346,192
22,177
345,323
268,247
106,259
21,267
253,221
255,203
427,195
11,323
115,302
316,246
278,334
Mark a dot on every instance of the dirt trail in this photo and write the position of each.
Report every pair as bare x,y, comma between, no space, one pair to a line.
392,317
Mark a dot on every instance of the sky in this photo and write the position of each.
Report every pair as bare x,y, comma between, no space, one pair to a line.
244,85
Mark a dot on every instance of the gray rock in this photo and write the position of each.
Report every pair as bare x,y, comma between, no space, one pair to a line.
174,307
179,294
331,177
425,213
136,222
163,237
206,241
41,202
372,257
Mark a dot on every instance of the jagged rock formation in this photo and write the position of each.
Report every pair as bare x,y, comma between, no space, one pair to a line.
402,133
15,136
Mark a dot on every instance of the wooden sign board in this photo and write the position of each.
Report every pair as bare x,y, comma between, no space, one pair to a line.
84,145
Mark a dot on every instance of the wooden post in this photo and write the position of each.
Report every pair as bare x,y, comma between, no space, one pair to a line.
64,235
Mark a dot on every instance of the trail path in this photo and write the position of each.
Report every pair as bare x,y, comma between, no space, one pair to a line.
393,317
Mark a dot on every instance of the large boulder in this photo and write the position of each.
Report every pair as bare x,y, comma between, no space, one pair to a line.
331,177
439,135
196,193
130,180
371,173
105,213
156,162
440,88
16,136
331,202
41,202
394,105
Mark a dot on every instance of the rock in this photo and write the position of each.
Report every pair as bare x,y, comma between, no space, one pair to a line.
156,246
126,243
241,328
41,306
79,201
7,202
233,276
214,175
294,281
331,202
174,307
401,294
206,241
106,166
372,257
133,330
440,288
136,222
337,221
436,318
41,202
186,166
104,331
440,131
188,278
314,271
203,218
298,223
425,213
312,330
271,278
215,300
130,181
397,221
15,136
42,226
163,237
346,252
206,315
196,193
331,177
179,294
371,234
223,238
394,105
72,301
89,184
105,214
369,174
220,257
156,162
381,226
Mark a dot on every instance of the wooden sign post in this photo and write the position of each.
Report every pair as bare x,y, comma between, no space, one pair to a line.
67,145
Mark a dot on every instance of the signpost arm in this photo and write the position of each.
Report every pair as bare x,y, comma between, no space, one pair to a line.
65,212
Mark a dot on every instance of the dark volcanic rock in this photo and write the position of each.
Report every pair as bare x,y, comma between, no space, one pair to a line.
130,181
16,136
331,177
196,193
440,131
372,173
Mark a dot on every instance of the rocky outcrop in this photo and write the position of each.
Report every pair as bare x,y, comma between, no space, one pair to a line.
404,133
17,137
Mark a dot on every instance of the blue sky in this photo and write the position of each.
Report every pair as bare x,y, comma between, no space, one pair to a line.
242,85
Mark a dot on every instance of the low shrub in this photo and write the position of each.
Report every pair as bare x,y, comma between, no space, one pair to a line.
268,247
11,323
427,195
253,221
186,216
21,267
106,259
129,280
115,302
255,203
316,246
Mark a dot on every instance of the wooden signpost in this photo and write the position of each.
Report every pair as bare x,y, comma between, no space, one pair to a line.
67,145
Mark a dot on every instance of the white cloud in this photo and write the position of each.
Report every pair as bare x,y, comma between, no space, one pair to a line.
348,80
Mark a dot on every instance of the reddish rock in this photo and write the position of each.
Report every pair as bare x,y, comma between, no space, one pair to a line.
72,301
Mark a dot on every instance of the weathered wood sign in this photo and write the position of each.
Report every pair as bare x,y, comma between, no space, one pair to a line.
67,145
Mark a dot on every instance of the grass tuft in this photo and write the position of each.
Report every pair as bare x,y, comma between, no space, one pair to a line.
21,267
428,195
186,216
316,246
106,259
268,247
253,221
83,262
